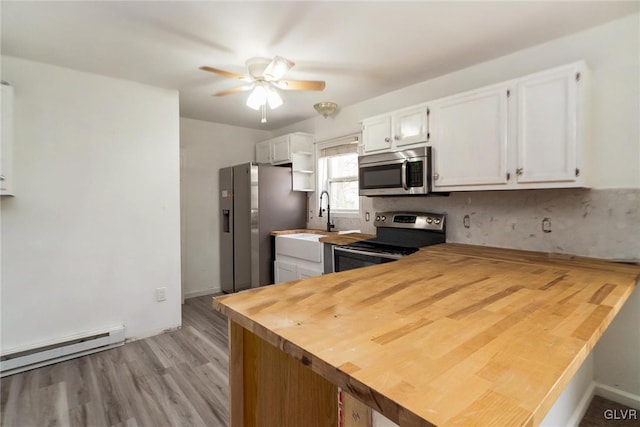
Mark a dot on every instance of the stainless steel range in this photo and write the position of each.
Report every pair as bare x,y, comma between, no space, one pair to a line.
398,234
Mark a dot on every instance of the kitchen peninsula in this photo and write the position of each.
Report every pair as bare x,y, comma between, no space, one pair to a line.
451,335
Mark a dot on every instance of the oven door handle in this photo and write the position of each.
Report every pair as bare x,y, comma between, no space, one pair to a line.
404,175
359,252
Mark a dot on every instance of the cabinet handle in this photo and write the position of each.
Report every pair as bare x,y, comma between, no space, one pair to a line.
519,171
387,139
436,176
396,137
2,178
508,176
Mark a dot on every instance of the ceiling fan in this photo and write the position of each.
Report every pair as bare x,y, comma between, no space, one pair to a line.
265,78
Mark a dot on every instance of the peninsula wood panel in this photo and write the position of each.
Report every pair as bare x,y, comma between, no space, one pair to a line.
451,335
271,389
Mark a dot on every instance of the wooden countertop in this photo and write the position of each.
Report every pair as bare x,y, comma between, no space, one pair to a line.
332,237
453,334
345,239
299,230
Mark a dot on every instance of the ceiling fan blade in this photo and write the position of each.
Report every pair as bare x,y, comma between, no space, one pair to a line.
277,68
225,73
234,90
300,84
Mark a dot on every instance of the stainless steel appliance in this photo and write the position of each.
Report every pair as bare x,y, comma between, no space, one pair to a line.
396,173
254,201
398,234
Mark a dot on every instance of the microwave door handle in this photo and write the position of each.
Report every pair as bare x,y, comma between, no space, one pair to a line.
404,175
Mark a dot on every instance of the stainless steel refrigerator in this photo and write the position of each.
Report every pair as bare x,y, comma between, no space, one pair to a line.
254,201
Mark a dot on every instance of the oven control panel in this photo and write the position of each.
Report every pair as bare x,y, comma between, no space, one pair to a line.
419,220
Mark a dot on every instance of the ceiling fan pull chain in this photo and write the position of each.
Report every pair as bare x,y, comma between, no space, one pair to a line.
264,113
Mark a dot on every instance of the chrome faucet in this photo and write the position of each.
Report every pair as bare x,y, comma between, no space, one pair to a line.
330,225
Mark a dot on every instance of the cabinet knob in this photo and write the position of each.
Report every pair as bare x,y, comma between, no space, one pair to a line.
1,177
396,137
387,139
436,176
519,171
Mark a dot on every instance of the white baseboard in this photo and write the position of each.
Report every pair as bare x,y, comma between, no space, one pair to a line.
617,395
194,294
152,333
582,406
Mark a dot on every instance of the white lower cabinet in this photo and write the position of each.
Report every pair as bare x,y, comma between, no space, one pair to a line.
295,269
285,271
303,272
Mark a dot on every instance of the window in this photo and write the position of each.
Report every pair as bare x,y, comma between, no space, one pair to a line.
338,173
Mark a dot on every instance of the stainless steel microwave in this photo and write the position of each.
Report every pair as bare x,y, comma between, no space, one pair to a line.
398,173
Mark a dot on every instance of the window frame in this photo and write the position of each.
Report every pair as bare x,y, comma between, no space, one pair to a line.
323,180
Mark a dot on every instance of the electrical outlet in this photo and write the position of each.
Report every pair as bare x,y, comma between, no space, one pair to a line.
466,221
546,225
367,216
161,294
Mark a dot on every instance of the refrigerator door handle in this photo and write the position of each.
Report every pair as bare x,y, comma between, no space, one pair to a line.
225,221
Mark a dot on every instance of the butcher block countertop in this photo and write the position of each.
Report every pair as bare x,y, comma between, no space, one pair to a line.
453,334
345,239
332,237
298,230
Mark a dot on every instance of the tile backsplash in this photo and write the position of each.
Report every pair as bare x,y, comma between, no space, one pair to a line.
602,223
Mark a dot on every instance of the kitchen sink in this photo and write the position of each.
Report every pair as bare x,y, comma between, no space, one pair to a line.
300,245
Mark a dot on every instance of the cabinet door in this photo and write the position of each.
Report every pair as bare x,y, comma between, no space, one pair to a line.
469,136
547,126
376,134
303,273
410,126
280,150
6,140
263,152
285,272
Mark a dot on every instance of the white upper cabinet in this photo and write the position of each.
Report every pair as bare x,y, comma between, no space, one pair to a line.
398,129
296,149
376,134
469,136
263,152
549,124
281,150
410,126
525,133
6,140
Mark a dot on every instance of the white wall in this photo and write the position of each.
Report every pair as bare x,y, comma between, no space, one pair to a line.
94,226
604,222
206,147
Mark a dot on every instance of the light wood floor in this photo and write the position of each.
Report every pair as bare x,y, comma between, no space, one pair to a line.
177,378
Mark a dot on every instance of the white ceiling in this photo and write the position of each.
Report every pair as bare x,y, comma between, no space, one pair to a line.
361,49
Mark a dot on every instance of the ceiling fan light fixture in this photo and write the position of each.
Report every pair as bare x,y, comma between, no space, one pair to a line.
257,98
274,98
326,108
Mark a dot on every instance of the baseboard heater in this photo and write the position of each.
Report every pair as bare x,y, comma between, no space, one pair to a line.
18,360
